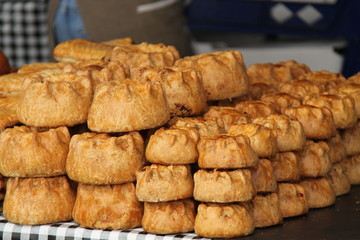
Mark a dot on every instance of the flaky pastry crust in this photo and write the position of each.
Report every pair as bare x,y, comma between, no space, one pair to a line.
169,217
107,206
262,139
319,192
223,186
226,116
263,177
124,106
223,220
176,145
102,159
223,73
160,183
55,100
183,88
286,167
317,122
339,182
266,210
28,152
292,198
341,106
226,152
315,160
35,201
289,132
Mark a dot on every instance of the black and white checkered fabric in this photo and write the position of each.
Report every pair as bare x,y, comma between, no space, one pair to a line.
72,231
24,31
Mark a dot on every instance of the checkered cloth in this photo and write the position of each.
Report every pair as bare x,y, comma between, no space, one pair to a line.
24,31
72,231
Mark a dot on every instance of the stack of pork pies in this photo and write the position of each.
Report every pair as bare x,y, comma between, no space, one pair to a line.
117,135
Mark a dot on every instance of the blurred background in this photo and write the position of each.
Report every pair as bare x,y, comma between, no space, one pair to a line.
324,34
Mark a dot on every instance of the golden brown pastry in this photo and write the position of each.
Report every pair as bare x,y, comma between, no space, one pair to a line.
337,148
176,145
315,159
10,84
323,77
224,186
341,106
266,210
145,54
183,88
256,108
263,177
4,64
352,89
317,122
262,139
41,66
160,183
281,100
292,198
8,118
226,152
276,73
55,100
289,133
226,116
351,167
99,71
35,201
354,78
351,139
81,49
169,217
300,88
102,159
30,152
223,220
119,41
286,167
319,192
258,89
205,126
338,180
107,206
223,73
124,106
10,102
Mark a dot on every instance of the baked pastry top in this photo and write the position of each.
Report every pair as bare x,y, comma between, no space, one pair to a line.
103,159
176,145
226,152
262,139
35,201
169,217
145,54
107,206
289,132
223,73
183,87
317,122
224,186
31,152
124,106
55,100
226,116
161,183
81,49
215,220
341,106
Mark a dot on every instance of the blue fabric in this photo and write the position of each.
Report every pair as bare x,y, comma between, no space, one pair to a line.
68,22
